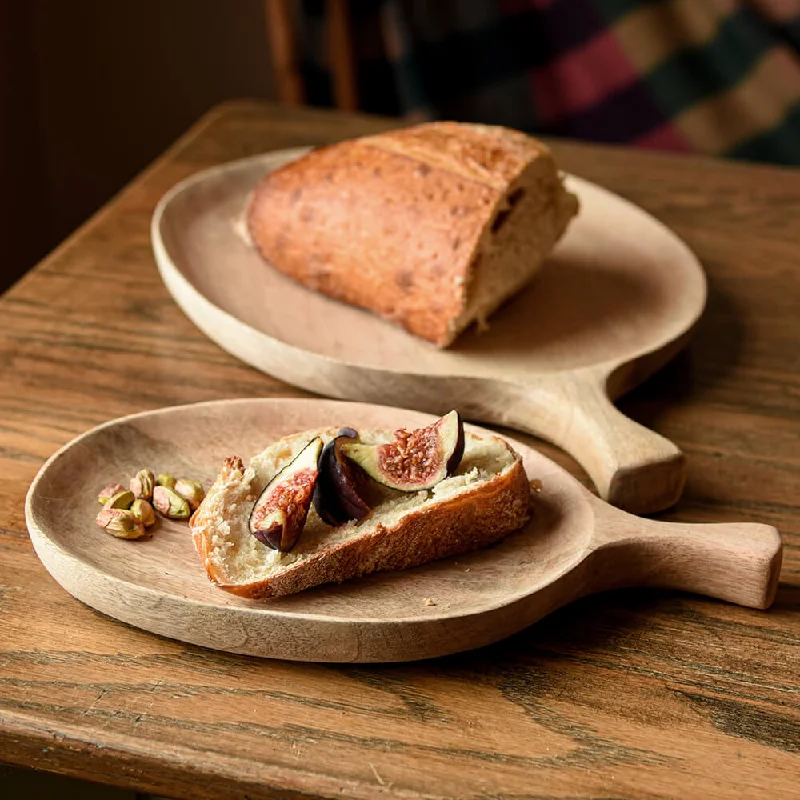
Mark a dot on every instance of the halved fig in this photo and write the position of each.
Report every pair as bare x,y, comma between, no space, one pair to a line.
336,496
415,460
280,512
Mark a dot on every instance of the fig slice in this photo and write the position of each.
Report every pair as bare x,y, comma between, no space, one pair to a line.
336,496
415,460
280,512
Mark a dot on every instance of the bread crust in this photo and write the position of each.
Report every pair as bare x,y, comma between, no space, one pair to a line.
392,223
437,529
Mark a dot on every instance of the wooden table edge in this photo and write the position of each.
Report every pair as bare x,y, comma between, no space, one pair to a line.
81,753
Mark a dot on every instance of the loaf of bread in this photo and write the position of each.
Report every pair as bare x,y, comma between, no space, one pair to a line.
486,498
431,227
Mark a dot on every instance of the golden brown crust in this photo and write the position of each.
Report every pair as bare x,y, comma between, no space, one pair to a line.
391,223
486,154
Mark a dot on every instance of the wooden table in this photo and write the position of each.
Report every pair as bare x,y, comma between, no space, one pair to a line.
630,694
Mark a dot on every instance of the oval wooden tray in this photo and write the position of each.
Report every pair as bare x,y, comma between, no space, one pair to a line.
617,299
575,545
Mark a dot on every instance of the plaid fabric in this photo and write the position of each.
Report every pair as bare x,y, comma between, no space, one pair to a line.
720,77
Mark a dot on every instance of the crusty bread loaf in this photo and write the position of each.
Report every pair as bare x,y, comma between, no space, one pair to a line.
431,227
488,497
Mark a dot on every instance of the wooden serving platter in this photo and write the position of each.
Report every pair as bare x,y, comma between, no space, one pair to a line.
617,299
575,545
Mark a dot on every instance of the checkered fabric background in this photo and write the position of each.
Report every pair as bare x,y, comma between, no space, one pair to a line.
720,77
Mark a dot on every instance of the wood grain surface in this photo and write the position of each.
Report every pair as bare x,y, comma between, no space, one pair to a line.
630,694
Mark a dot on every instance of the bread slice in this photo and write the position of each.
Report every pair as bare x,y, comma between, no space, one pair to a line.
431,227
487,498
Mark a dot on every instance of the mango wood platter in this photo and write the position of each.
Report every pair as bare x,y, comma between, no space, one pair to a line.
575,545
617,299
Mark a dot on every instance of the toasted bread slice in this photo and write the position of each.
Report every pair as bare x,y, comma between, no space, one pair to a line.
487,498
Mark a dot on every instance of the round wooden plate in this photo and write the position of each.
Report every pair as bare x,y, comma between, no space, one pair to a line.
616,301
575,545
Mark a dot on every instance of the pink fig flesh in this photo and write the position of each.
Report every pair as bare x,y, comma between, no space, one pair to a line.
414,460
279,515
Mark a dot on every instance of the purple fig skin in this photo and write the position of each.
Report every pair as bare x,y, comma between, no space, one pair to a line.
325,499
352,504
336,498
271,538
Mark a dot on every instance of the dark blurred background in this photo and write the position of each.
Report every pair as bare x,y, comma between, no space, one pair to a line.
92,90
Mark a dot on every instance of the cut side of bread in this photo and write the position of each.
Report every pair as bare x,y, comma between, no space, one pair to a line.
431,227
487,498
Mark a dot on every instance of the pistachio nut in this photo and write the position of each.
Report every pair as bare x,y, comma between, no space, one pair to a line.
170,504
109,491
143,512
191,491
120,523
165,479
122,499
142,484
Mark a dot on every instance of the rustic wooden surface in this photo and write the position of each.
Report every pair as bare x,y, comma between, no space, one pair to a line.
630,694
